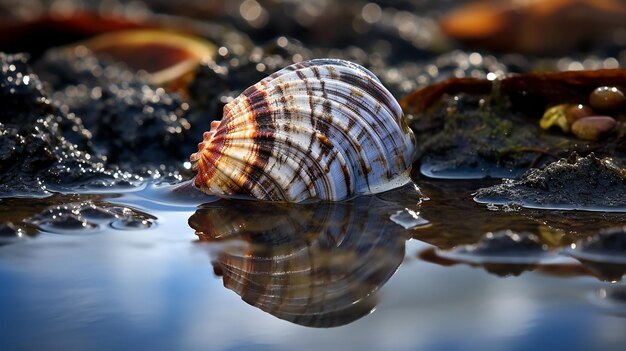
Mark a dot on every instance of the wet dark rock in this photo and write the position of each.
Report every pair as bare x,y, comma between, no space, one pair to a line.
405,77
218,81
211,90
25,100
35,155
21,95
131,123
91,125
39,143
469,137
584,183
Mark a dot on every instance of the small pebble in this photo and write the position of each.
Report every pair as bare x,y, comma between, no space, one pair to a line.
593,128
576,112
606,98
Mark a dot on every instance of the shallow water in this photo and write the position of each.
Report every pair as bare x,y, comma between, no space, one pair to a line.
256,274
124,265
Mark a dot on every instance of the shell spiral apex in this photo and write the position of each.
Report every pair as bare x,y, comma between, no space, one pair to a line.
321,129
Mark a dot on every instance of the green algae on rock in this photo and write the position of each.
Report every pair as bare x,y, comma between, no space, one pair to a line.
472,128
469,136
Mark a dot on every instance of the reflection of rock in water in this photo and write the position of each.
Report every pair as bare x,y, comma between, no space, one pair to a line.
507,253
313,264
612,298
502,253
453,201
604,254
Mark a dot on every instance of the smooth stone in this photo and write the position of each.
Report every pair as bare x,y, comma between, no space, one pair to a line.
576,112
606,98
593,128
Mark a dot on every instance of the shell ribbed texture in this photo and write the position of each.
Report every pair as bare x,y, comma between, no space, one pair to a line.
322,129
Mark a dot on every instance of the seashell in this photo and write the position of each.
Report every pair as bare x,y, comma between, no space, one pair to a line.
322,129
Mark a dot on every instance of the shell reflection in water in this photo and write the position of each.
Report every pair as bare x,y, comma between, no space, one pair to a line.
324,129
315,264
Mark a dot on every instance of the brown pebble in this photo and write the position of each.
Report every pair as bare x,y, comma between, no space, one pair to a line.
576,112
593,128
606,98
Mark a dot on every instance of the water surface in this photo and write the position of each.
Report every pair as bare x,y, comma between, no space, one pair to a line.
318,276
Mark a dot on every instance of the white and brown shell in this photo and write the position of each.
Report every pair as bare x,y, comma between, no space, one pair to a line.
322,129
